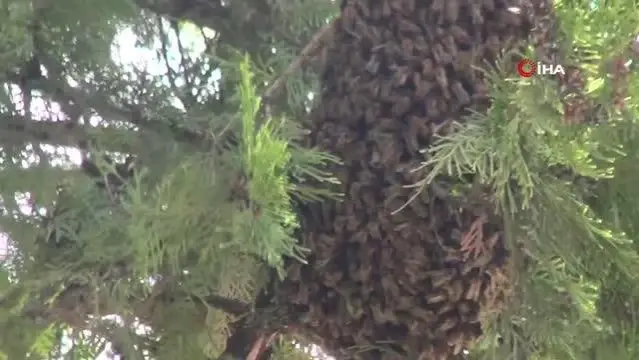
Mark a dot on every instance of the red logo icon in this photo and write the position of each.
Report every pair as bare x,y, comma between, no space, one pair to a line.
526,68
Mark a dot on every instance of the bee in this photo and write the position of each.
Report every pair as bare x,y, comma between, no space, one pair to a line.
401,75
409,6
436,297
481,92
325,245
457,340
302,296
363,273
445,308
494,44
478,263
489,5
475,12
423,314
339,224
390,287
460,93
401,106
427,68
374,230
419,208
372,66
437,7
411,136
474,290
353,310
369,200
449,43
440,55
460,35
423,15
360,237
431,108
440,78
381,315
465,307
406,303
331,280
386,91
455,290
452,11
508,18
386,8
366,12
422,87
408,27
447,324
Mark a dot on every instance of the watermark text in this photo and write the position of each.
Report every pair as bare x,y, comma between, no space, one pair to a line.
527,68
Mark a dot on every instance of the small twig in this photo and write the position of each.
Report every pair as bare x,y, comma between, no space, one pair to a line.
317,42
231,306
187,70
260,345
164,50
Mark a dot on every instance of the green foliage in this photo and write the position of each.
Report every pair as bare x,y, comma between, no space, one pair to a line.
567,194
189,216
269,186
15,44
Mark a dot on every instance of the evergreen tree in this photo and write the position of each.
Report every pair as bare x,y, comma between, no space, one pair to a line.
432,203
176,146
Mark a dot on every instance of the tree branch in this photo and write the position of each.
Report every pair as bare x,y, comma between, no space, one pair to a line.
314,46
17,130
230,306
203,13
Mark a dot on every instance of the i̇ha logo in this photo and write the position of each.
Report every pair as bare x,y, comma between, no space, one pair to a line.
527,68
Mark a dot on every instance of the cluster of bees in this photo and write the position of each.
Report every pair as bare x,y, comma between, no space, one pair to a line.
381,284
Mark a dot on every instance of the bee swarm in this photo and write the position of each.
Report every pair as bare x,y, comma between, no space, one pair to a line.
385,285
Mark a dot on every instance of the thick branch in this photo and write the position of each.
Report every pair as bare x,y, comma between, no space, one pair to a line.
252,17
231,306
77,303
203,13
17,130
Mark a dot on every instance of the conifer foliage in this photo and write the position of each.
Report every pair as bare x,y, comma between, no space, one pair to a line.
424,203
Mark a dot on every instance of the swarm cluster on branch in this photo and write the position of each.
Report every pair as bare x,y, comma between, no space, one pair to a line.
414,283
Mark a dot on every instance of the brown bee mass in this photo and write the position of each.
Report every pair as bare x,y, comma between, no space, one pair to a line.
388,285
